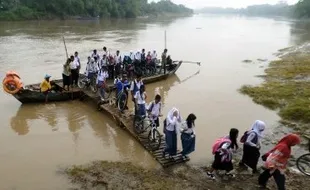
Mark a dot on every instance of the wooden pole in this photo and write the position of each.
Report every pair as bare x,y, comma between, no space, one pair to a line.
63,38
165,39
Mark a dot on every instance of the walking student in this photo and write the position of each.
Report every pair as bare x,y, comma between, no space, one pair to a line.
276,161
134,88
140,98
170,130
154,110
223,152
252,145
101,82
66,74
188,136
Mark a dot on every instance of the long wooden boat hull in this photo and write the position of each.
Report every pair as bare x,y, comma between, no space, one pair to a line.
31,94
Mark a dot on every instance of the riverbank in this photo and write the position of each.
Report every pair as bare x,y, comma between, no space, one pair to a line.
117,175
286,88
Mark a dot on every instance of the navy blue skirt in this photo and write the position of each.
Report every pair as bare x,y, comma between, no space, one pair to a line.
188,143
171,143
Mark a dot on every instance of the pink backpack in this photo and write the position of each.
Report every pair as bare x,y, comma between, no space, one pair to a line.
218,143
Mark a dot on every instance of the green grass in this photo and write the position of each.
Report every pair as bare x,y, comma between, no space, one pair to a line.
286,88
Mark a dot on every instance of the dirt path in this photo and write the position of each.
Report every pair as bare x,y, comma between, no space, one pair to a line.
116,175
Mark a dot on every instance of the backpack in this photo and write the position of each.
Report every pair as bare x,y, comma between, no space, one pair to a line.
152,105
165,126
245,136
218,143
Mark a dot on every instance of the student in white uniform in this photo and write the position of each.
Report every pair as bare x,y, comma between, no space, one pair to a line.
138,56
154,56
188,135
95,54
154,110
132,56
140,98
170,130
101,82
91,68
118,63
74,65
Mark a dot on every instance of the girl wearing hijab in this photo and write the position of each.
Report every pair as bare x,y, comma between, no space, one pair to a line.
223,152
252,146
188,136
276,161
170,130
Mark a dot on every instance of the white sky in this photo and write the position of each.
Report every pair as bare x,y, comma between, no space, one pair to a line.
225,3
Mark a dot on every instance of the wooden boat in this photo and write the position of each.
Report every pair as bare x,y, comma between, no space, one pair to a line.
32,94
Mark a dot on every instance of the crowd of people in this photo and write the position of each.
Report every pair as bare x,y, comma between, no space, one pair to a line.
223,149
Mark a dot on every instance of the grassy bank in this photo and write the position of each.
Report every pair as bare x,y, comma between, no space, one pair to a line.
286,89
116,175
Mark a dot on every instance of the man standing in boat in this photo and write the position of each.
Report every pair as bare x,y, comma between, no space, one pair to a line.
134,88
118,62
164,60
74,67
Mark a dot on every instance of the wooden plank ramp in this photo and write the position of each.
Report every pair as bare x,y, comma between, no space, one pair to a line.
125,120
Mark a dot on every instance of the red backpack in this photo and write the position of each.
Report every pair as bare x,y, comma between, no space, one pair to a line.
218,143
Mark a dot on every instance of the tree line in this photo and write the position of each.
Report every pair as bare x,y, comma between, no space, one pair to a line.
48,9
299,10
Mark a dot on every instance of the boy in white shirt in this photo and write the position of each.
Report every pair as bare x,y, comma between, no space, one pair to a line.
154,110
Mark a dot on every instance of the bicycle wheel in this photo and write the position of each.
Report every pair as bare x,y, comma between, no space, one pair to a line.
303,164
82,82
139,125
154,139
121,101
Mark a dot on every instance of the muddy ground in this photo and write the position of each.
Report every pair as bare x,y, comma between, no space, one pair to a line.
115,175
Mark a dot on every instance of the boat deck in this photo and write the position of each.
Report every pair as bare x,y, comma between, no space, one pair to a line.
125,120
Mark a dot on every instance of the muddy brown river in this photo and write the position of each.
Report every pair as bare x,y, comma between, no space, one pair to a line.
37,140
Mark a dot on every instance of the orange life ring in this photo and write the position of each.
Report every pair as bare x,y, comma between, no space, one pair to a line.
12,83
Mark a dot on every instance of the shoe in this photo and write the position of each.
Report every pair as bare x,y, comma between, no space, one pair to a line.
230,175
211,175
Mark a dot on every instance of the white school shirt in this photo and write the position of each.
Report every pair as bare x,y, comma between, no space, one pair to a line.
140,100
154,55
118,59
107,53
91,67
156,108
138,56
74,65
95,55
77,60
104,62
132,86
102,75
184,128
132,56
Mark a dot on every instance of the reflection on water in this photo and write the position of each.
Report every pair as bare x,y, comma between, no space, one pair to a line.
300,32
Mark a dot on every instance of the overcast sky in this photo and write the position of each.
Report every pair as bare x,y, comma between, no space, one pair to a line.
224,3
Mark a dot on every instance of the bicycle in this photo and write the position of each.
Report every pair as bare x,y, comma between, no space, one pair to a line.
120,100
154,137
303,162
84,83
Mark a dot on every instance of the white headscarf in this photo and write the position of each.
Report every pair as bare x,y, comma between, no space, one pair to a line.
258,127
170,115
